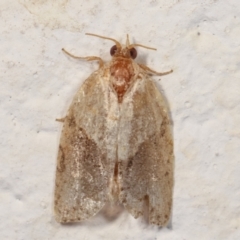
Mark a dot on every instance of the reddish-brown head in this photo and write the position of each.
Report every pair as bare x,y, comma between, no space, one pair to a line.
118,50
122,69
128,51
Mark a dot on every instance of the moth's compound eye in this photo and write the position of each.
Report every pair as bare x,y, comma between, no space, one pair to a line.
113,50
133,53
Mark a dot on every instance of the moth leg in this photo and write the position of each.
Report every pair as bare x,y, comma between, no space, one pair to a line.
60,119
90,58
154,72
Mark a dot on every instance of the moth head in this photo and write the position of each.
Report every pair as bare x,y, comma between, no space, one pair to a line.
125,51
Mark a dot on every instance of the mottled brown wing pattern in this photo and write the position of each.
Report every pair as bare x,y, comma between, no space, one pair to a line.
146,159
83,167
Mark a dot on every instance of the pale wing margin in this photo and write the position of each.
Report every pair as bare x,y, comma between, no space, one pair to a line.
146,157
82,169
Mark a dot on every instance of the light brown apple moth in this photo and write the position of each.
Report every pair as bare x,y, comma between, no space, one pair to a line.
116,143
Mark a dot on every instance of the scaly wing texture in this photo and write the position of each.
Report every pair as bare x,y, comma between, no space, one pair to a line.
84,168
145,150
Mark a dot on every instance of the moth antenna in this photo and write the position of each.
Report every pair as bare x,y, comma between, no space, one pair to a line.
140,45
116,42
127,42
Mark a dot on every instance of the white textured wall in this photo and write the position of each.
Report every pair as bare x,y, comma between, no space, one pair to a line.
200,40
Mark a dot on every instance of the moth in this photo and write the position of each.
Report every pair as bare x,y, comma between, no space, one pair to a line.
116,143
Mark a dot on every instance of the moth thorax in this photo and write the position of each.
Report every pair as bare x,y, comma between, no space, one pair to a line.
122,76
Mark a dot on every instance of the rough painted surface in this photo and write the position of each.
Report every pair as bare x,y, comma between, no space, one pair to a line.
199,41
